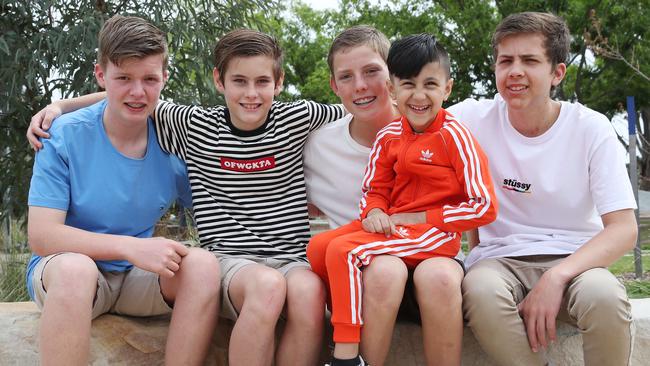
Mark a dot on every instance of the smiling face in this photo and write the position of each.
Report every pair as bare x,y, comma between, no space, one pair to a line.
419,98
524,74
359,76
249,88
132,88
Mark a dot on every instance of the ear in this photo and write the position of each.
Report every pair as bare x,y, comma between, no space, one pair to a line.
333,85
279,84
558,74
100,76
217,81
391,89
448,86
165,76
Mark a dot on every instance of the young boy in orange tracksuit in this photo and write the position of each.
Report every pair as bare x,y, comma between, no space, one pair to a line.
426,181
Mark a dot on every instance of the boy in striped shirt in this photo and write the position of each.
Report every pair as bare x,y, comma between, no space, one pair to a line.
426,181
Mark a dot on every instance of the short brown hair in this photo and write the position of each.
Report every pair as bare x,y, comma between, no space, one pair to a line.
359,35
247,43
123,37
551,27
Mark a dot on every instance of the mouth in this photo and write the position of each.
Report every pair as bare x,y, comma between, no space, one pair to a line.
517,88
364,101
419,108
136,106
250,106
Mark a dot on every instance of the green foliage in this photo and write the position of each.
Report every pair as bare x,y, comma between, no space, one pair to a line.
48,50
13,261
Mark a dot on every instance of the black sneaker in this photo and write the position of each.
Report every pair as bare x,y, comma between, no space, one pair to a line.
358,361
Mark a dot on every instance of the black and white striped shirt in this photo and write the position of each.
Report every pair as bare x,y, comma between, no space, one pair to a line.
248,187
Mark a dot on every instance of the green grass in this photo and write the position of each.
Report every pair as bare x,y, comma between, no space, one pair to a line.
637,289
626,264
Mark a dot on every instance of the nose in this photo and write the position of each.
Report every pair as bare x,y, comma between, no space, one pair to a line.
137,89
516,69
360,83
250,91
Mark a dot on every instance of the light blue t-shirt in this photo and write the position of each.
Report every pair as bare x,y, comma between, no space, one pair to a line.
79,171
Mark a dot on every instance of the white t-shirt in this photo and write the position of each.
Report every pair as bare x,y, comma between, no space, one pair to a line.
552,189
334,166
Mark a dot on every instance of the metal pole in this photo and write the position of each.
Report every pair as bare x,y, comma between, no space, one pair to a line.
631,123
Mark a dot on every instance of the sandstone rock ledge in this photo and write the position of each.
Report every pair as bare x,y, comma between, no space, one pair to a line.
141,341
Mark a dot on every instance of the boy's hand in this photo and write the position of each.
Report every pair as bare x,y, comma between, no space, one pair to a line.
539,310
409,218
158,255
377,221
40,123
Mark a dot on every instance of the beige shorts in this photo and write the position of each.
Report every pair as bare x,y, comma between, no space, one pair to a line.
231,265
135,292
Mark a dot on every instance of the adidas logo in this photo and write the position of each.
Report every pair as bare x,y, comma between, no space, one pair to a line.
426,155
402,232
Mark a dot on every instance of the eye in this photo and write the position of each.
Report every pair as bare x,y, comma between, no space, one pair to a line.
239,81
504,61
372,71
344,77
122,77
263,81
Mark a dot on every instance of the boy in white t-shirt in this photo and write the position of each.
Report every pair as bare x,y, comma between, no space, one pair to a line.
566,208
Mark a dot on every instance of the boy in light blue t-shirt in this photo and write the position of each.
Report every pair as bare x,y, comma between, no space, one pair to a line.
100,184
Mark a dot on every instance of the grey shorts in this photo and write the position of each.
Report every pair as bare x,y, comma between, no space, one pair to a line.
231,265
135,292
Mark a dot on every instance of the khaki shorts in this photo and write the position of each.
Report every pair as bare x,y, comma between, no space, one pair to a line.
135,292
231,265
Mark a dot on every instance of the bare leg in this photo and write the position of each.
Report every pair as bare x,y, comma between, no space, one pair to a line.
194,290
383,288
305,308
71,283
438,291
258,293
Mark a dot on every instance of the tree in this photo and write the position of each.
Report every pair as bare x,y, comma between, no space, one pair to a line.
608,60
48,48
463,27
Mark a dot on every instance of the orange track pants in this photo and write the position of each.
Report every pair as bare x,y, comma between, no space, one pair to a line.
337,256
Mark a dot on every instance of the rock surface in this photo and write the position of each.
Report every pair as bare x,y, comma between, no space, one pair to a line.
141,341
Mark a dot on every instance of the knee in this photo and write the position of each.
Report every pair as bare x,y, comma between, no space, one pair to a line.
266,295
440,283
384,280
198,266
307,290
306,299
597,293
72,275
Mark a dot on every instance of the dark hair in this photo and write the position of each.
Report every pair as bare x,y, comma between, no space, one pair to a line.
407,56
123,37
247,43
551,27
358,35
